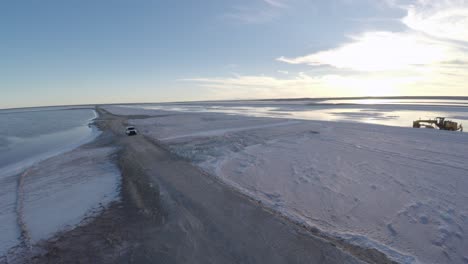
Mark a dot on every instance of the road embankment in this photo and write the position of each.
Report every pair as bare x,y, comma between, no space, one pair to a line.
172,212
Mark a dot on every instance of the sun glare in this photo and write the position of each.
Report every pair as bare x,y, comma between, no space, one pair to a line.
379,51
364,86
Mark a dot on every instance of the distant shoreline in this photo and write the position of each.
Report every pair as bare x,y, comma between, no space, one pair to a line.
248,100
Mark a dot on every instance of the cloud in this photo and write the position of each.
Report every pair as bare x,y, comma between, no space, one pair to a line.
438,83
304,85
258,86
440,19
430,57
436,33
248,86
378,51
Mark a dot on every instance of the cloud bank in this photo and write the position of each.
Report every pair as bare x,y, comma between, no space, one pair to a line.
379,51
428,58
437,33
439,19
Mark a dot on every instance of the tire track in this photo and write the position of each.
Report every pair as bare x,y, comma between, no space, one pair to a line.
25,236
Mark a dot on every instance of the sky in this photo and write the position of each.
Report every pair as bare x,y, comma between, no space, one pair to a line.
55,52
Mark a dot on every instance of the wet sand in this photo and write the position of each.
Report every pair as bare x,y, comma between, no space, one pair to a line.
172,212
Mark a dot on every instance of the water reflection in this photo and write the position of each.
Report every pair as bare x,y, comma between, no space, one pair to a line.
376,111
429,102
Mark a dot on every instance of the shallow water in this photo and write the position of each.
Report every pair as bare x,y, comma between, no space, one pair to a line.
401,112
27,137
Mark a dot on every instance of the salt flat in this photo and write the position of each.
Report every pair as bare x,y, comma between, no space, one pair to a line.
60,191
400,190
27,138
56,194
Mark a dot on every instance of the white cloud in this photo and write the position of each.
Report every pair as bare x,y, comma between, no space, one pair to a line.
438,83
306,85
433,26
440,19
429,58
258,86
378,51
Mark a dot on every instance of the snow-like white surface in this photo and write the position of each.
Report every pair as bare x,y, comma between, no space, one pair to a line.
33,150
47,183
9,232
59,192
402,190
56,194
392,113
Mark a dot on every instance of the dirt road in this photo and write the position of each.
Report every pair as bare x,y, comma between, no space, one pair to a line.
172,212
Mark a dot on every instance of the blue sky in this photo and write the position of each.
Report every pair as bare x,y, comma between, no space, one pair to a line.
86,51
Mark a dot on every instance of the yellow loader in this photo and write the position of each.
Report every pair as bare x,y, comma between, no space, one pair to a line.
439,123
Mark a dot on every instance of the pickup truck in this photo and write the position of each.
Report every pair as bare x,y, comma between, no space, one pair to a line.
131,131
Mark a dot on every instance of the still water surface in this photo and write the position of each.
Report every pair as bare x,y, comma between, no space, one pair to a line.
28,136
390,112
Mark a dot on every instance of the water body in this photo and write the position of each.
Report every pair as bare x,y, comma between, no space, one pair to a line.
390,112
26,138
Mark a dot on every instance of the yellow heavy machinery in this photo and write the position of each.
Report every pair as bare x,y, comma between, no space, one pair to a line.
439,123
